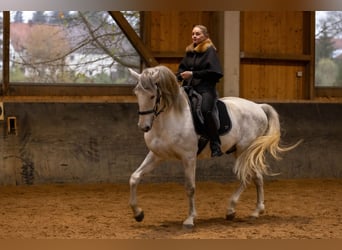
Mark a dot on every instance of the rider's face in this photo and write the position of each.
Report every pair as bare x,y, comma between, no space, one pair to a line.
197,35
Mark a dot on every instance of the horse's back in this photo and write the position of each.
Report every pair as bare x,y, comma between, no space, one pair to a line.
243,106
238,101
248,118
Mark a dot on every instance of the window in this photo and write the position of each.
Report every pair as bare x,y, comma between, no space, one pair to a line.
71,47
328,54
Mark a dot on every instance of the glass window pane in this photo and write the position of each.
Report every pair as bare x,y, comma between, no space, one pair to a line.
1,44
71,47
328,64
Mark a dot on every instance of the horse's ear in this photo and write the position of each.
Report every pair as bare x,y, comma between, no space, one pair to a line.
133,73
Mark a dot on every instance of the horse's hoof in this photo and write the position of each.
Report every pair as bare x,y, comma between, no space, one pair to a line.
252,217
256,215
230,216
140,217
188,226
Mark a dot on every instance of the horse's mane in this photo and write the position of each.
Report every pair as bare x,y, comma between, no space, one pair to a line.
167,83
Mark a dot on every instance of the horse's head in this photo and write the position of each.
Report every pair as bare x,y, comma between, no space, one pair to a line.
157,91
148,95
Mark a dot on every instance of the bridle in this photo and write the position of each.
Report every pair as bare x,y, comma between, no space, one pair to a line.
155,110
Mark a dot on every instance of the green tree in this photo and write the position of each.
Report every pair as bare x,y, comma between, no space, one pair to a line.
324,44
39,17
18,17
328,64
58,17
339,76
326,72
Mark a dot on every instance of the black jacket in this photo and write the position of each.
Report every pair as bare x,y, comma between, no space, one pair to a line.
203,61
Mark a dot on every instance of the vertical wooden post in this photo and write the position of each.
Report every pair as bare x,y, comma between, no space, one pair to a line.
309,24
231,53
5,52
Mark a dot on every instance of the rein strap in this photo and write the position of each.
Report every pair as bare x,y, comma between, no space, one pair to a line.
146,112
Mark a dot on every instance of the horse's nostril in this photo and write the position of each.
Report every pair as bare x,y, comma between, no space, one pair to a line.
146,129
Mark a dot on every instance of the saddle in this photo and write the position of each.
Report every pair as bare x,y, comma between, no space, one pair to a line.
221,117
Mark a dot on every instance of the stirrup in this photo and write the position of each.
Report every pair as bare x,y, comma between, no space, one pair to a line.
216,153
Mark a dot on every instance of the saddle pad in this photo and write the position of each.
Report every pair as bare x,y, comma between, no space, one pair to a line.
225,126
221,116
225,122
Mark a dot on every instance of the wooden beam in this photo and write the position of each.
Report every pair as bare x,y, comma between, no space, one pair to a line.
132,36
309,30
275,57
70,99
62,89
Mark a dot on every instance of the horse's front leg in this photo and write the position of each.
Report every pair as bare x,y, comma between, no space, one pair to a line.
190,172
149,163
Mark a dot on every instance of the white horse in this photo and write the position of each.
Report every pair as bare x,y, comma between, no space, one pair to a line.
165,117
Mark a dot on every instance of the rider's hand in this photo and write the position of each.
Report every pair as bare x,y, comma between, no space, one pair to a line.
186,75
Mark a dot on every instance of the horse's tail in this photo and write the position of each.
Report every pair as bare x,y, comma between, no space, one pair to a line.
252,161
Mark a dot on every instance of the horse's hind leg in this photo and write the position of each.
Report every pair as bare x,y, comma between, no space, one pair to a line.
259,184
260,207
233,201
149,163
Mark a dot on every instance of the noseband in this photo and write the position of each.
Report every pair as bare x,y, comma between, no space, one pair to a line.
155,110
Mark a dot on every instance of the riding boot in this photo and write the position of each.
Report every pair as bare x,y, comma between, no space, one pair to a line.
215,143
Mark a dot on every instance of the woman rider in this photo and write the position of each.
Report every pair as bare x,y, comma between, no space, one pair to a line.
201,69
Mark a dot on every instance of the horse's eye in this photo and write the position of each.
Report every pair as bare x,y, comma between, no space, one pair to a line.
152,97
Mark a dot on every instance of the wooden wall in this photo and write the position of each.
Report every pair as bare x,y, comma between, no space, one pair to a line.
167,33
275,48
276,55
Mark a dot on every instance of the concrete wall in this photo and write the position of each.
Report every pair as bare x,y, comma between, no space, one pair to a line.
64,142
320,126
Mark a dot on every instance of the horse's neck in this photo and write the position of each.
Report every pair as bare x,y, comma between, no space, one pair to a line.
184,99
173,129
172,114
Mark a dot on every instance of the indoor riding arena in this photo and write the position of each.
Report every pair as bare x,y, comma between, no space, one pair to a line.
70,140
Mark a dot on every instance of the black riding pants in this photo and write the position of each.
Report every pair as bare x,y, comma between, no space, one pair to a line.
209,97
